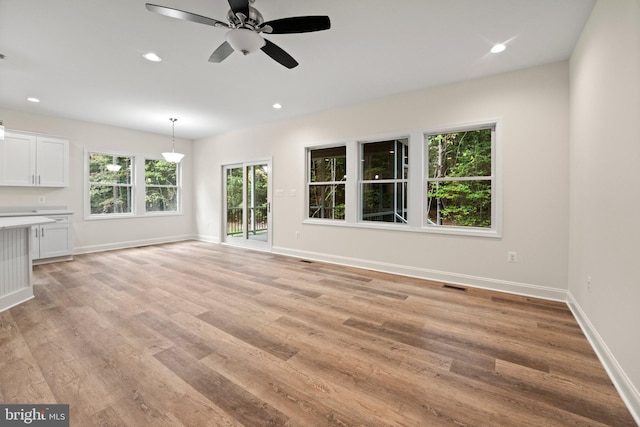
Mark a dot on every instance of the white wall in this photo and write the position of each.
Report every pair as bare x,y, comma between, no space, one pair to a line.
605,188
533,106
101,234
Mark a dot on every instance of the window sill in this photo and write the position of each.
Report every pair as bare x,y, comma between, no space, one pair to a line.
167,213
130,216
452,231
108,216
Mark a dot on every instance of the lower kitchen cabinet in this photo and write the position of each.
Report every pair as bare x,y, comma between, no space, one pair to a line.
52,240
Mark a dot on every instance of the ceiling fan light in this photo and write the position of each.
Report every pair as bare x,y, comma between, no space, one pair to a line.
245,41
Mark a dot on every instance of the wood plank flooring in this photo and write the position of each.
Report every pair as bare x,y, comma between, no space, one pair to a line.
194,334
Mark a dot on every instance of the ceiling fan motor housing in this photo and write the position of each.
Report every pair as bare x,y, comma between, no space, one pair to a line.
252,22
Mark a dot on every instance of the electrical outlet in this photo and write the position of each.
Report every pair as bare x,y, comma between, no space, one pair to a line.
41,200
297,234
512,256
589,283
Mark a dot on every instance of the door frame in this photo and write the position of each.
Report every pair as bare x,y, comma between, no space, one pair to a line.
244,241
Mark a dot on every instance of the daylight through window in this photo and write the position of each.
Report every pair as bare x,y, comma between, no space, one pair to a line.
110,184
162,188
460,182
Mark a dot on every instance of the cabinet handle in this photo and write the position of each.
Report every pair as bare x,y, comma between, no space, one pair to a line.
42,233
37,232
38,179
33,179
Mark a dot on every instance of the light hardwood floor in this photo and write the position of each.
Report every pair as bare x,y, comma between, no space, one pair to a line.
198,335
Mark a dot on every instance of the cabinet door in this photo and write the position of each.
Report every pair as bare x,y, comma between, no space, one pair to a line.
17,159
34,242
55,240
52,162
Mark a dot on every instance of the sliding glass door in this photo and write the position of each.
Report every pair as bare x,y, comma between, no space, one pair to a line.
247,216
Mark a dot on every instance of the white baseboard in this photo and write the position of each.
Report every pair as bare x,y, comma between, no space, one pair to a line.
625,387
517,288
15,298
207,239
132,244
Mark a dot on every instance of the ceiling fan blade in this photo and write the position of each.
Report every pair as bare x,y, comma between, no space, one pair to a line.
186,16
297,24
221,53
279,55
240,6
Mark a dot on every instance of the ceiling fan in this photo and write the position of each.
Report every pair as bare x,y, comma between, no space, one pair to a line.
246,26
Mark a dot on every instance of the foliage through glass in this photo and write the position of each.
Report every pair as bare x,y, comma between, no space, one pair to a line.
459,186
110,184
161,186
235,187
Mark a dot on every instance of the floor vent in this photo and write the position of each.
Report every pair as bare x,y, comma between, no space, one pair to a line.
306,261
455,288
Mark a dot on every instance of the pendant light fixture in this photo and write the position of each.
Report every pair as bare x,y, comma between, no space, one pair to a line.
172,156
1,130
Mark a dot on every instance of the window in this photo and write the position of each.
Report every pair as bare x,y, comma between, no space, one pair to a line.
110,184
326,182
461,178
446,181
162,190
385,174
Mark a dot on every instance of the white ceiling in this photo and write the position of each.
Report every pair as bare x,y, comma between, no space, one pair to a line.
83,58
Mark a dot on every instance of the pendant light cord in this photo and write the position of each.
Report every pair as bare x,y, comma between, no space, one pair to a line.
173,135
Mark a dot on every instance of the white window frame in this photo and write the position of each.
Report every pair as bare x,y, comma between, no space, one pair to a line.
178,187
138,191
495,178
88,184
395,181
309,184
416,185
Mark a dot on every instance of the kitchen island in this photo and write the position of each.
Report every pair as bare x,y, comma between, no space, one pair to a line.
15,259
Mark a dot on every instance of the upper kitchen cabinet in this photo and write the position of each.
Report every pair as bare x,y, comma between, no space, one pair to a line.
30,160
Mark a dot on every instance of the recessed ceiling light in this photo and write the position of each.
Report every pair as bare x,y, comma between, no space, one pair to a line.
32,99
498,48
152,57
277,106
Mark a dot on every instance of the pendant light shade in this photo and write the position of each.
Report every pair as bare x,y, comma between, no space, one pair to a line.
172,156
1,130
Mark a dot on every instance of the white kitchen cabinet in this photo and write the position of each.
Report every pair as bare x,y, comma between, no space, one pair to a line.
30,160
52,240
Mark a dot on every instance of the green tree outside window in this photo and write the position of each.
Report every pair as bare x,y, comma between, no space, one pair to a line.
459,186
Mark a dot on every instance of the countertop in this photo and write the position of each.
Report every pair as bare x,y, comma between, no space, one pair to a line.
27,211
23,221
